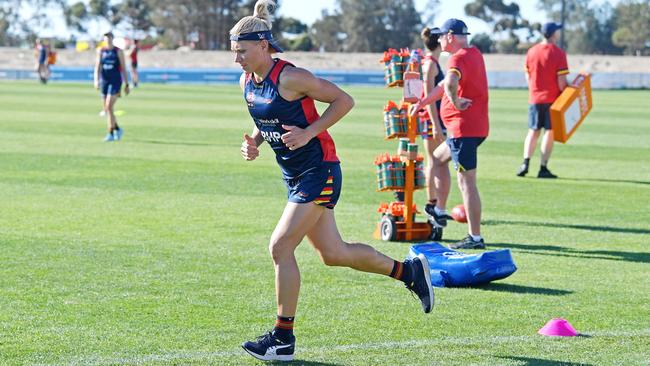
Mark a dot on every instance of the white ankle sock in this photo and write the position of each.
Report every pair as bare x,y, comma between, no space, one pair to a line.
476,237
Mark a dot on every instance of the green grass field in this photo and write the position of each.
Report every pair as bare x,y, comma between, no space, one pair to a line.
153,250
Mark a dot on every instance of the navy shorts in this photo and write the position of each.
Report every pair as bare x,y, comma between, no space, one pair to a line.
111,88
539,116
464,152
321,186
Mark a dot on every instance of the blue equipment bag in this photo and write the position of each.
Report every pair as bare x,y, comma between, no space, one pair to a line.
450,268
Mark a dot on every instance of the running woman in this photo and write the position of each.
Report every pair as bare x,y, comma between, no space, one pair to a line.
280,98
109,65
434,133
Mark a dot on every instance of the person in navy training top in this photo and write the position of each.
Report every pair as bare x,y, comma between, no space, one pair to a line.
42,50
434,133
110,72
280,98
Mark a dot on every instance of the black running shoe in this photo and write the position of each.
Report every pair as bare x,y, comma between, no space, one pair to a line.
545,173
270,348
421,283
436,220
523,170
468,243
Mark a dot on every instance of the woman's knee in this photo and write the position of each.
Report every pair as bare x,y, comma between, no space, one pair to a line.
280,248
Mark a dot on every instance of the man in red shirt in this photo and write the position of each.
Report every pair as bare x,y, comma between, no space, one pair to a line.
464,112
546,71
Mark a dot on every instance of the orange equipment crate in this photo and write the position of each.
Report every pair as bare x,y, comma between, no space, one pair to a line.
571,107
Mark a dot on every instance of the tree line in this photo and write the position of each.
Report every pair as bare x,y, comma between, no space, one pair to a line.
355,25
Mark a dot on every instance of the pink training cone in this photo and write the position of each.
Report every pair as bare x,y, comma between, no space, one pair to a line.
558,327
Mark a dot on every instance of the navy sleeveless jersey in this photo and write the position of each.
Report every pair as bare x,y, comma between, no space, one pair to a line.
439,77
270,111
110,65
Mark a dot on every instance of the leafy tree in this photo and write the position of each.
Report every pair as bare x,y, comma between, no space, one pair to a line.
137,14
483,42
588,28
375,25
327,32
76,16
505,19
633,27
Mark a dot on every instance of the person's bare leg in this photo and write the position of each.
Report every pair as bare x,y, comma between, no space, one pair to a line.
442,178
547,146
333,251
296,221
109,104
429,146
530,143
471,200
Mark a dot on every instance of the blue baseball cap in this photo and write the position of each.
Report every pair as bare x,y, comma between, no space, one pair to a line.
452,26
258,36
549,28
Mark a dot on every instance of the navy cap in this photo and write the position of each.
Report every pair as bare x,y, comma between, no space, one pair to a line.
452,26
549,28
258,36
109,34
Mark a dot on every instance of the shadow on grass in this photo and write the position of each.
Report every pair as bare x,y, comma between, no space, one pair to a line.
529,361
306,363
607,180
506,287
568,226
558,251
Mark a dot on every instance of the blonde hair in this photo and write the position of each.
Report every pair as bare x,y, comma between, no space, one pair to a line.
258,22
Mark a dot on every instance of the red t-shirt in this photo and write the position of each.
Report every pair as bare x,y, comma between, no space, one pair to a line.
468,64
544,62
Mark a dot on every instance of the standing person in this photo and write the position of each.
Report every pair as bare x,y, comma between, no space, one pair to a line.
42,50
133,54
280,99
464,112
434,133
546,71
110,66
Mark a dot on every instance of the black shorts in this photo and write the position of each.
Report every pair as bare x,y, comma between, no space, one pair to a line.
321,186
464,152
539,116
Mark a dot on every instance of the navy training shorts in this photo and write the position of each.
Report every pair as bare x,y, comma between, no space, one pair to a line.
321,186
539,116
111,88
464,152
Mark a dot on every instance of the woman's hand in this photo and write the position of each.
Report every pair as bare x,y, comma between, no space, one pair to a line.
249,148
296,137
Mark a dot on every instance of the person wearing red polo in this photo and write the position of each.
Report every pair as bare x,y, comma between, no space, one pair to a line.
546,71
464,112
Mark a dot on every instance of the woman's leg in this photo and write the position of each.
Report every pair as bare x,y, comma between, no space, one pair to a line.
333,251
109,103
442,180
430,145
325,238
297,219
